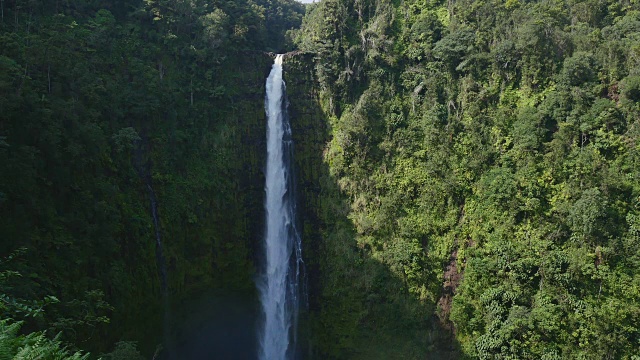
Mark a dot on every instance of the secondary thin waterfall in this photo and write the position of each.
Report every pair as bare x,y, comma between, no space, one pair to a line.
281,276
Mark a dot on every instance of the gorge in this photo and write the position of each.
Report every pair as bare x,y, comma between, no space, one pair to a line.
465,182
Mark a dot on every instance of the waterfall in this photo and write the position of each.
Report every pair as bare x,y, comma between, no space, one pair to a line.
280,279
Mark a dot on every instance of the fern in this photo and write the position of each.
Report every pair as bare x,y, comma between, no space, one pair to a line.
34,346
8,339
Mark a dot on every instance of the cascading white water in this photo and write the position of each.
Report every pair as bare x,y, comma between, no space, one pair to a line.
279,282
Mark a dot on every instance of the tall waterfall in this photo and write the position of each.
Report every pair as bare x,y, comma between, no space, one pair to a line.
280,280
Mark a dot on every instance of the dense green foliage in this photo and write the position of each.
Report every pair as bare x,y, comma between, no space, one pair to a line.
110,108
487,149
469,171
33,346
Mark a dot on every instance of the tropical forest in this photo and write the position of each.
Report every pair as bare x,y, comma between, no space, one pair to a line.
326,179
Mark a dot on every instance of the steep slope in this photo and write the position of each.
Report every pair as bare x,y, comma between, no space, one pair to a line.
131,156
480,179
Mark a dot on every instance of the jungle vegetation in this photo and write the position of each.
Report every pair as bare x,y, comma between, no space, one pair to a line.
477,194
488,153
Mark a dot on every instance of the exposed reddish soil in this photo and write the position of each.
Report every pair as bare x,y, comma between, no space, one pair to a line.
452,278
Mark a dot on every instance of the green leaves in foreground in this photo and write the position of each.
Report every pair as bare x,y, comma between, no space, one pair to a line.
33,346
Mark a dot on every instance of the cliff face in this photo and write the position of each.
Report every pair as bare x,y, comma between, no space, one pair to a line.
214,243
131,160
229,201
480,174
212,261
310,133
211,206
310,130
87,137
358,307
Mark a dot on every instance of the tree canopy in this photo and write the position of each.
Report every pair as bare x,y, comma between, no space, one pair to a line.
488,149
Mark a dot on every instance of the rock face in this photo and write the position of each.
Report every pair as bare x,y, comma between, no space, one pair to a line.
358,308
310,131
212,262
233,221
310,134
211,210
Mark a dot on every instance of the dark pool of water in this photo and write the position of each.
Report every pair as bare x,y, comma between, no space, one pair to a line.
214,327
